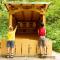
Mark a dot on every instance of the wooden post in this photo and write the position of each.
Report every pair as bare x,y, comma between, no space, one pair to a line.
10,19
44,19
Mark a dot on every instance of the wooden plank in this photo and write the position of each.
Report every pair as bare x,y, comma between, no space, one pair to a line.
0,48
49,47
44,19
3,47
26,45
10,19
18,47
25,48
33,46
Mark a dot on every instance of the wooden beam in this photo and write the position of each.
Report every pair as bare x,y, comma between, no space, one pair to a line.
10,19
32,15
7,6
36,10
46,7
44,19
23,15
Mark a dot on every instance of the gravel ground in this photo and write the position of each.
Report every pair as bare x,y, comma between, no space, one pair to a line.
25,58
57,57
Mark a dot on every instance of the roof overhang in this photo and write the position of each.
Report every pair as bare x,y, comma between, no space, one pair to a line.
40,7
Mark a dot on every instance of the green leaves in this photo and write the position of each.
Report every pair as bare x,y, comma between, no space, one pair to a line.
3,24
53,24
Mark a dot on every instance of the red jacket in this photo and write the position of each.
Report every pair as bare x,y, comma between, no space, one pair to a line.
42,31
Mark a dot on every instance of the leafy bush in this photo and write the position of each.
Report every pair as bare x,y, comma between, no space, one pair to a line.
3,24
53,24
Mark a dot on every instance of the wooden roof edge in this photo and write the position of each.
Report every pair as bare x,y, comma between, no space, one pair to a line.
12,2
6,4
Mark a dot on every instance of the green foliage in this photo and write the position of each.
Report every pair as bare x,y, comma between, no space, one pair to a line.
56,46
3,24
53,24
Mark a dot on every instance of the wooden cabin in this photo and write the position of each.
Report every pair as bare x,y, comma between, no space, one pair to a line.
26,16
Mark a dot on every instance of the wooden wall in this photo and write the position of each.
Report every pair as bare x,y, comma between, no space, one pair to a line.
26,47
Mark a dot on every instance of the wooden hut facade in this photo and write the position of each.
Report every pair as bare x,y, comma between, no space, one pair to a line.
27,16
